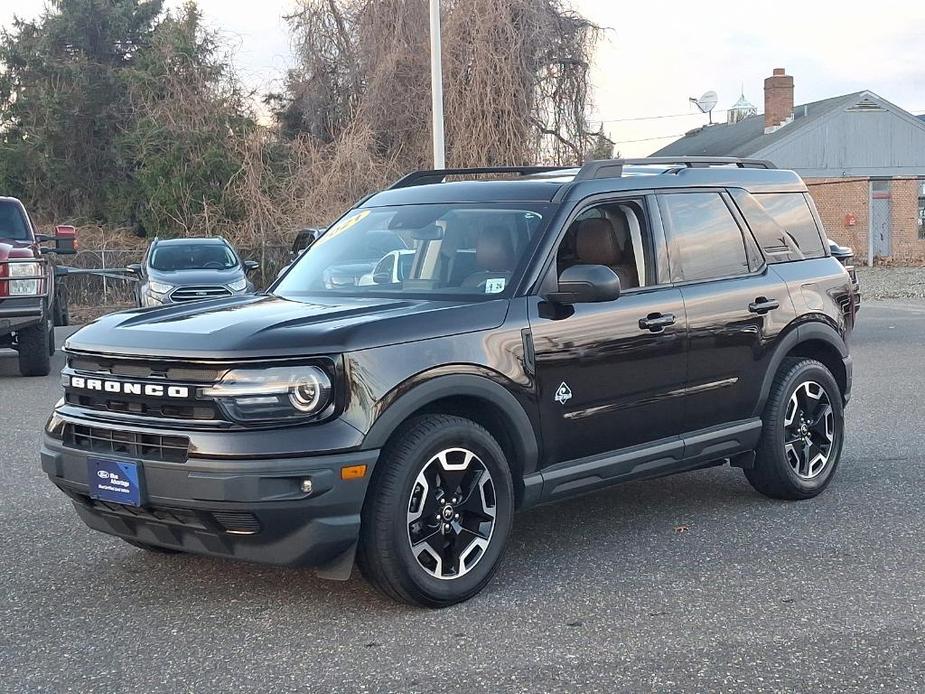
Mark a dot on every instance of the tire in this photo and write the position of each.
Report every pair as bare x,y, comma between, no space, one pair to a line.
150,548
33,344
795,461
51,340
402,506
60,311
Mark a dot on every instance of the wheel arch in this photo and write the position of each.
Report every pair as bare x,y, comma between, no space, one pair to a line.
813,340
475,397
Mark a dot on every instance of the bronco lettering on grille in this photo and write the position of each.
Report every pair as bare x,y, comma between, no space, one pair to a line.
154,390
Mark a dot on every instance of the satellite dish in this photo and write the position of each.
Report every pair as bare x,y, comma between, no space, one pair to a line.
706,103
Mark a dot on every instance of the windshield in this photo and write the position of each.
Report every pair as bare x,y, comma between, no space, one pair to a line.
13,224
193,256
431,250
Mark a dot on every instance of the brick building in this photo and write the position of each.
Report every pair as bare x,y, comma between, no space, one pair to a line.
862,157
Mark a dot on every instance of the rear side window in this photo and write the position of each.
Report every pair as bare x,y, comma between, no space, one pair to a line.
783,224
705,240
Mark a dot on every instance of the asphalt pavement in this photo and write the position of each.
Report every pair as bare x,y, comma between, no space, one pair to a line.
688,583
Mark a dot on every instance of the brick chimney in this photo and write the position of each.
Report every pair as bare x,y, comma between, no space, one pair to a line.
778,99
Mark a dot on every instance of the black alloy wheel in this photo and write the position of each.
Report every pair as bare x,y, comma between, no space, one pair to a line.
809,430
802,433
451,513
438,512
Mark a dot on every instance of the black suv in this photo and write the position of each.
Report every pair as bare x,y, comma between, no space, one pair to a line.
556,332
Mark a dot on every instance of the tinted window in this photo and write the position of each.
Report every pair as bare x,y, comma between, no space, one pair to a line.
613,234
706,241
792,213
12,221
444,249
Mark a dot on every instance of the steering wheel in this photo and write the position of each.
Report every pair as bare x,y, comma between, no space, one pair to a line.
214,265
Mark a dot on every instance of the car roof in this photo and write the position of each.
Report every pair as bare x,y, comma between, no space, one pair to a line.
191,239
549,184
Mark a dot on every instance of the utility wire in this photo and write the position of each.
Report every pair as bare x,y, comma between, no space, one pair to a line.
667,115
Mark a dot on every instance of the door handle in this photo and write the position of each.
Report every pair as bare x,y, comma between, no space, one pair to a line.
762,305
656,322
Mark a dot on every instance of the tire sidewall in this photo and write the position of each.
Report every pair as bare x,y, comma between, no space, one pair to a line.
819,374
475,439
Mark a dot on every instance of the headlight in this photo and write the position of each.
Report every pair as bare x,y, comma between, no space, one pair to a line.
159,287
238,285
274,394
24,287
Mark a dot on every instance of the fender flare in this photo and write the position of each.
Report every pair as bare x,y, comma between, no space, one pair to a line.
518,423
803,332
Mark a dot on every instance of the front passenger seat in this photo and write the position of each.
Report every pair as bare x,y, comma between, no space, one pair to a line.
494,254
596,244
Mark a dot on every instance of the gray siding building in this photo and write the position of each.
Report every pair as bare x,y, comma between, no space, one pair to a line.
862,156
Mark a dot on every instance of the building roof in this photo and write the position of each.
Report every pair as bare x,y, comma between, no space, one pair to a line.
745,138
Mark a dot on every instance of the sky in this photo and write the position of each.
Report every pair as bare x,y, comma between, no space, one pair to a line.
657,54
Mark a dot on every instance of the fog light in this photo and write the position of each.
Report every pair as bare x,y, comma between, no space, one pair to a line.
306,486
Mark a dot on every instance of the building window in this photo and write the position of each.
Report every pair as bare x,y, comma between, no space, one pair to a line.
922,210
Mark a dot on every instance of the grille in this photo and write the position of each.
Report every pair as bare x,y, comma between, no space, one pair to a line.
170,449
198,293
169,516
203,411
131,368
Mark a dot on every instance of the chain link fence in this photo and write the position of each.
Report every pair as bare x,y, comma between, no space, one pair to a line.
109,292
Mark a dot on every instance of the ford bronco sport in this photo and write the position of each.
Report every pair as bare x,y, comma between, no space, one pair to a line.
557,331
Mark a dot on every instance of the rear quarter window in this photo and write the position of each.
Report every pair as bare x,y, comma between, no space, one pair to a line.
783,224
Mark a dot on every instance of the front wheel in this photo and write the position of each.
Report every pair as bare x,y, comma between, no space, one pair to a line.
803,431
438,512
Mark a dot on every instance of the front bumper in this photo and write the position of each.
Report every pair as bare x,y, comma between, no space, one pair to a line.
17,313
243,509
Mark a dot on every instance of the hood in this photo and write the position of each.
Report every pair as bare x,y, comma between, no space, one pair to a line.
15,249
186,278
247,327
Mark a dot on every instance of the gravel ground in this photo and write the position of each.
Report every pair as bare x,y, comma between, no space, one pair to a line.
892,282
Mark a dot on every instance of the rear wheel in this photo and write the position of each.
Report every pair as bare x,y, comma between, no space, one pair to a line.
803,431
35,345
438,512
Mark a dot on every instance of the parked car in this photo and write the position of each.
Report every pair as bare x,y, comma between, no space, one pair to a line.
845,256
557,333
190,269
32,303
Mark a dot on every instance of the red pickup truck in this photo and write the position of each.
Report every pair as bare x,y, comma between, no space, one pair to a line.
31,303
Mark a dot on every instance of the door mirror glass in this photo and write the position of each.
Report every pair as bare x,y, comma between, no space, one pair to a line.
582,284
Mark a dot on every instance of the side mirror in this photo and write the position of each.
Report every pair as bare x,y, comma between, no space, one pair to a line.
65,239
250,265
382,278
584,284
134,268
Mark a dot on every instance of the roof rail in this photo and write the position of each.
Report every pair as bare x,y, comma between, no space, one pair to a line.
428,176
613,168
